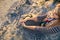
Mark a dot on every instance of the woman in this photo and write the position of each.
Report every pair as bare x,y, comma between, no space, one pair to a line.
51,27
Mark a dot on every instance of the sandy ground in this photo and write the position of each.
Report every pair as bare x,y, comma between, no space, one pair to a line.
5,5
